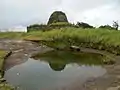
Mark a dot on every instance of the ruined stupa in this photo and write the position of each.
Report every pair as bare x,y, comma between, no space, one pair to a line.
57,16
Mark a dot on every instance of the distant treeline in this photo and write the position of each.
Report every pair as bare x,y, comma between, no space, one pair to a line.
58,25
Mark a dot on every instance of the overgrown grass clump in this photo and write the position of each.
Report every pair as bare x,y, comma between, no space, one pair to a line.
101,39
2,56
3,85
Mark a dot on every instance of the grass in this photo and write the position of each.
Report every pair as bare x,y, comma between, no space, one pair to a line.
11,35
101,39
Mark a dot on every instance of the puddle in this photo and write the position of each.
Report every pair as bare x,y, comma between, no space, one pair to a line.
55,70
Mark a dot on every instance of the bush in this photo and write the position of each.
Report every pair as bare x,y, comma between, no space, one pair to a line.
107,27
83,25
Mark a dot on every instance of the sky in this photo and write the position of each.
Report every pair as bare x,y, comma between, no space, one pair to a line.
25,12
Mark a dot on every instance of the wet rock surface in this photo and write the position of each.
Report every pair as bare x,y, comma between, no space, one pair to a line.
22,50
110,81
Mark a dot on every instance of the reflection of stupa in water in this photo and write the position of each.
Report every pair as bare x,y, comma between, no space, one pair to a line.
57,66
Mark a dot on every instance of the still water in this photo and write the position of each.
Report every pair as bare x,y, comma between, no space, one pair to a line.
55,70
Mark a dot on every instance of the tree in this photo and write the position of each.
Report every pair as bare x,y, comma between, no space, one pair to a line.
106,27
83,25
115,25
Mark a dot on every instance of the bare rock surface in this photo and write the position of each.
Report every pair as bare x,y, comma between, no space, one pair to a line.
21,51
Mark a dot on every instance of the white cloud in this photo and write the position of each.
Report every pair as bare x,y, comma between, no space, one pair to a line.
24,12
105,14
15,12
